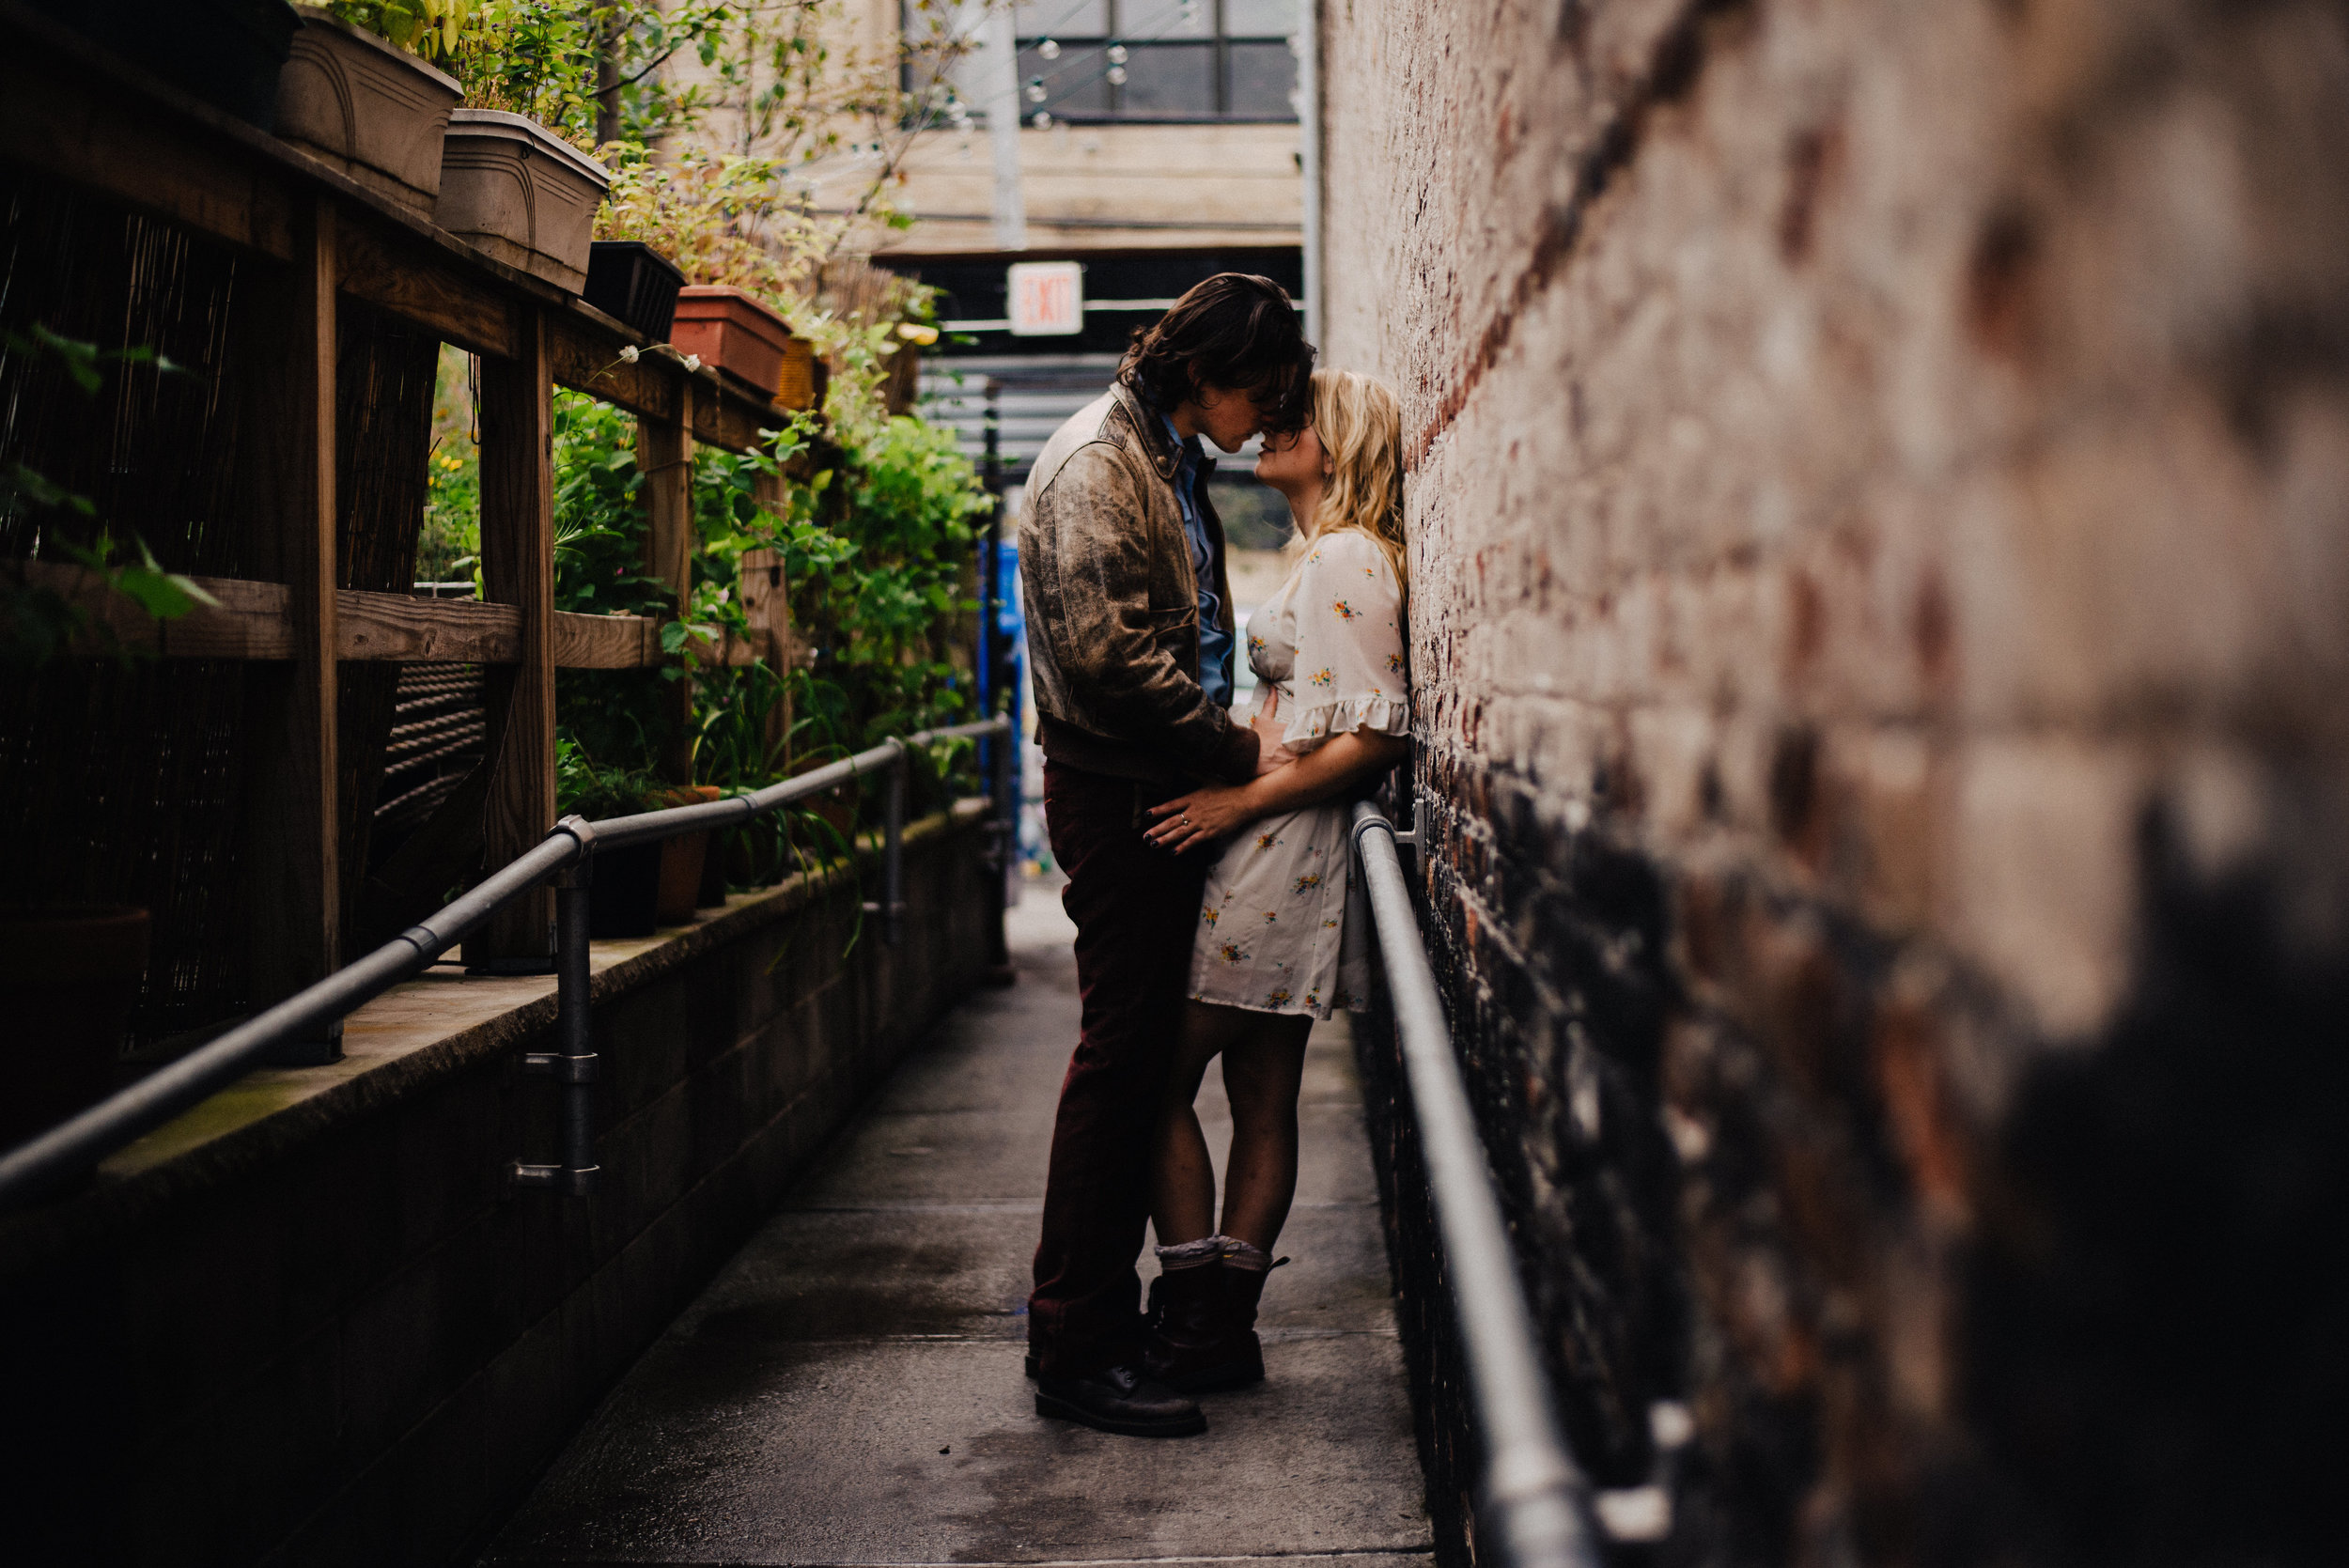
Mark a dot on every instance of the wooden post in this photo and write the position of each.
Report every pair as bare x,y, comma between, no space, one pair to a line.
294,880
665,454
518,568
758,583
767,603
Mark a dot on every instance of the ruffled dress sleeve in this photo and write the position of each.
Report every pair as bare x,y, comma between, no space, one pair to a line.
1350,672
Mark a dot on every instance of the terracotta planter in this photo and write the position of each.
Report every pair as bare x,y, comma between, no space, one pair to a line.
682,860
68,978
729,329
803,377
373,111
513,189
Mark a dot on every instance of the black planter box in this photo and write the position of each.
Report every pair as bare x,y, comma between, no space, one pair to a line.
624,893
228,52
628,279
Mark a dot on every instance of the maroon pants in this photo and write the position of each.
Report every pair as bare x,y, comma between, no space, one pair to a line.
1137,910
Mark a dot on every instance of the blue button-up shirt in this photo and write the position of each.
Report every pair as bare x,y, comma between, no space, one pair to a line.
1215,642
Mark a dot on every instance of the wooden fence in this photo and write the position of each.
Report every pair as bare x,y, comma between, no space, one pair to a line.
306,246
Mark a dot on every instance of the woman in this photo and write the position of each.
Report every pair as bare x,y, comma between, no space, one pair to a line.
1277,945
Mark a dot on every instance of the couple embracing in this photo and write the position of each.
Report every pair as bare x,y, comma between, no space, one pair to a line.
1209,874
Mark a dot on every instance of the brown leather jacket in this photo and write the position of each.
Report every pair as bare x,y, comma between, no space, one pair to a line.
1113,605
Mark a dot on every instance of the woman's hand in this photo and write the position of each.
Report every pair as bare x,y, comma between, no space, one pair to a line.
1203,817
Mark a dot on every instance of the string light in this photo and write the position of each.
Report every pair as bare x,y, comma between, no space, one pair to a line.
1035,89
1117,76
1049,49
1042,122
1118,53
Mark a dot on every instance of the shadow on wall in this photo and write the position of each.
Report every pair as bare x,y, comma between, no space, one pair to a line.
2102,1327
2158,1317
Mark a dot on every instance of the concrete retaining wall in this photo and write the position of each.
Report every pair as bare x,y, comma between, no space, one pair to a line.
1880,497
329,1334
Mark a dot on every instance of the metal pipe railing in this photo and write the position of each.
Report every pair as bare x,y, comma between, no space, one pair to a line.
69,1150
1537,1501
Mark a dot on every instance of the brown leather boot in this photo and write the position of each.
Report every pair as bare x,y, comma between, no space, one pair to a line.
1185,1315
1201,1339
1243,1288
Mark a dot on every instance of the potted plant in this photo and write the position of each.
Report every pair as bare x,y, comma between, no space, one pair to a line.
624,893
630,282
683,859
370,109
731,330
516,189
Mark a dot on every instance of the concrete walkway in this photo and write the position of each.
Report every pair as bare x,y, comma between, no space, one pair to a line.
849,1391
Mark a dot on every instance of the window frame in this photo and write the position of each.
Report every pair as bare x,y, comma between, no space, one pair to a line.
1216,34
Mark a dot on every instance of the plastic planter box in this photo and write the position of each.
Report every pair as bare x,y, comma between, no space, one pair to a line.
376,113
734,332
513,189
630,281
226,52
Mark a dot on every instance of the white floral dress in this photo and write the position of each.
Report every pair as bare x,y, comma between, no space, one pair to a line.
1282,929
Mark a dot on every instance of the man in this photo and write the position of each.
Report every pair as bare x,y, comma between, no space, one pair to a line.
1130,638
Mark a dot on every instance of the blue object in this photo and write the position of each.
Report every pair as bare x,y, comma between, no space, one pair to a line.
1215,643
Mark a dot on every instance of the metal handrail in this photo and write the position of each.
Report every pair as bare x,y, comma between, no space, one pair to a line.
1535,1496
75,1146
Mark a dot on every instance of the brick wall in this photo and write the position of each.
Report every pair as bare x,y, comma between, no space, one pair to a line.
1879,496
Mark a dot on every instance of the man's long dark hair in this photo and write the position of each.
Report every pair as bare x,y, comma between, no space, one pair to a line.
1235,332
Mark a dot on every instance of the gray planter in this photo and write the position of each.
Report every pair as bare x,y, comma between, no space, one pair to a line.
515,189
375,111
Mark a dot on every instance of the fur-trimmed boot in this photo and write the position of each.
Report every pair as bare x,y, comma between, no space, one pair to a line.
1244,1269
1189,1349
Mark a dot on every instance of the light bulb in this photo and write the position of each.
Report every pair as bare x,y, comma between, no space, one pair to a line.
1117,76
1118,55
1042,122
1049,49
1035,90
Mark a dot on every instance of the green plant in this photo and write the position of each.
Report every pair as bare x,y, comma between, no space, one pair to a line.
598,514
450,541
435,29
583,788
881,588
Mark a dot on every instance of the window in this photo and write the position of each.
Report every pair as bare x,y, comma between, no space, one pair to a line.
1168,60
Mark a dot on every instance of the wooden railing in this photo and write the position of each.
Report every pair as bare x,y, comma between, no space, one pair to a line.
71,114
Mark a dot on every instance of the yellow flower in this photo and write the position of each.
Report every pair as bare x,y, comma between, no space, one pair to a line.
1265,841
1230,952
1210,916
1277,998
1323,678
1394,663
1308,883
1346,611
1271,916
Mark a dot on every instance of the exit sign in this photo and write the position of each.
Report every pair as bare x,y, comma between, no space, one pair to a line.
1047,298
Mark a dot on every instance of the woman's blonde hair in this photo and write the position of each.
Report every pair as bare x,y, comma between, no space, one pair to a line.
1359,422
